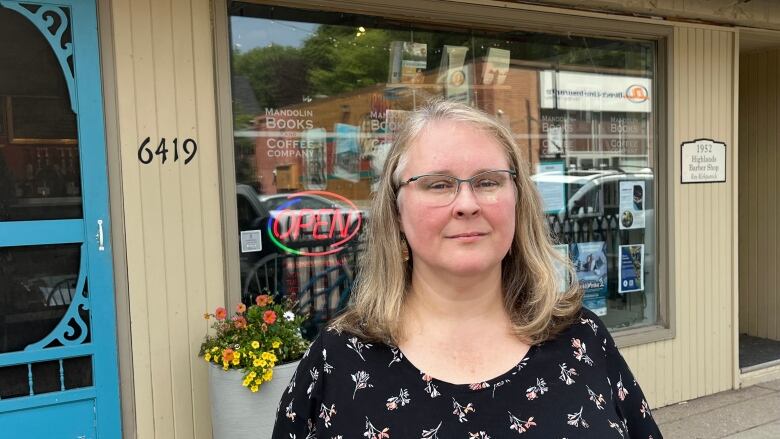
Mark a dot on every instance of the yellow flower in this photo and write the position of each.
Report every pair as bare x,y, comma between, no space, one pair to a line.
246,382
255,388
258,381
237,355
224,366
251,375
214,349
207,357
268,375
257,363
276,344
235,362
255,344
272,357
263,363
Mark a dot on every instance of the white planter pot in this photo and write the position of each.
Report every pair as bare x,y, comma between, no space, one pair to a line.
236,412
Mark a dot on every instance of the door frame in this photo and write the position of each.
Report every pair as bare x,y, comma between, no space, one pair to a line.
88,92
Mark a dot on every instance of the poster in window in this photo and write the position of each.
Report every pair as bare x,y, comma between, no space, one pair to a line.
562,274
497,66
590,264
455,75
314,171
549,183
632,205
632,260
347,153
408,62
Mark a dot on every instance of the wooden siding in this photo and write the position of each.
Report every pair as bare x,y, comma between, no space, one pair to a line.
165,88
759,186
698,361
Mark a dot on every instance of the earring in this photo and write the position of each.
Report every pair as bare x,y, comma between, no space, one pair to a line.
404,249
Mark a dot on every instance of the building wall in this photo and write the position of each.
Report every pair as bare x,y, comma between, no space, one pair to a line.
698,361
165,88
759,123
751,13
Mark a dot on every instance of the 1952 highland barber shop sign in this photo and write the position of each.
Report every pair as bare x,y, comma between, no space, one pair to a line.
703,161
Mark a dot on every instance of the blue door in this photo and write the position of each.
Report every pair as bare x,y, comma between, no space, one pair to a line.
58,359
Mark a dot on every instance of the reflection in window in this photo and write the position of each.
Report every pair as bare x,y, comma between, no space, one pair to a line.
317,96
40,172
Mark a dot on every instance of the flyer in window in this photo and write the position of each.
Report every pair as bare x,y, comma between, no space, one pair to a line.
315,151
347,153
550,184
632,261
497,66
590,264
408,62
562,274
455,75
632,205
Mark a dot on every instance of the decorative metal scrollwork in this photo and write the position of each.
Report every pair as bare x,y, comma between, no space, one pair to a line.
43,17
72,329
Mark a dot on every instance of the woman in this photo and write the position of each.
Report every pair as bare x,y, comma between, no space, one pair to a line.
456,328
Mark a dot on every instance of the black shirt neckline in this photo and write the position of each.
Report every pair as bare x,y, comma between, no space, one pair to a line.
445,386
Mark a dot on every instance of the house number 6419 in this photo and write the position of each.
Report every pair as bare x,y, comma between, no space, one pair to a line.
145,154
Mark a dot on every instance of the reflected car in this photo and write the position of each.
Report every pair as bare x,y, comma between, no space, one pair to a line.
585,205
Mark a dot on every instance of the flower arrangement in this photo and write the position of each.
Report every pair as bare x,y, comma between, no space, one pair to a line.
255,339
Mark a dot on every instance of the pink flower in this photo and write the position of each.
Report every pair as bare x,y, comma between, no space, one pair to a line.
220,313
531,395
227,355
262,300
269,317
239,322
240,308
392,405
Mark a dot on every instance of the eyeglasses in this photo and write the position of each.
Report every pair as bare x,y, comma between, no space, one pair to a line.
439,190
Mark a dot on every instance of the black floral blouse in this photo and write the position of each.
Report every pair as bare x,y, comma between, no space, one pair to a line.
574,386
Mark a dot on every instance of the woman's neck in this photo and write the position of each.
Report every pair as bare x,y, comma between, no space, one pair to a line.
446,303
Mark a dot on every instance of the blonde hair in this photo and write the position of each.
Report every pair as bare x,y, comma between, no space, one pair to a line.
529,278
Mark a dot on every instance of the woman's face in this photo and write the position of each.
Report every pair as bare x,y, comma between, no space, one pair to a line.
466,237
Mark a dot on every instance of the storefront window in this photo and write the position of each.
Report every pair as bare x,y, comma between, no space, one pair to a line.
316,97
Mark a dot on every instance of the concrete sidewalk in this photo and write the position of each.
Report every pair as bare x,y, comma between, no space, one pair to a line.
748,413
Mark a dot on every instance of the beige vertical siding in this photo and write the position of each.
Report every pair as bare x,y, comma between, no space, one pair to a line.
698,361
165,88
759,122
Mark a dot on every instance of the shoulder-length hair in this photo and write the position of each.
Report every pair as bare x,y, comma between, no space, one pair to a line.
538,310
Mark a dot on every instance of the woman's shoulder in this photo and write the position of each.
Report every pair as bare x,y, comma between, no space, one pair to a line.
586,325
344,346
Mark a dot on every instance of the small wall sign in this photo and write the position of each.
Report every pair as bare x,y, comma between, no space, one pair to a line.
703,161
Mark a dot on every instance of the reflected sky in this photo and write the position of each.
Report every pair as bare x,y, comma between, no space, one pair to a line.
249,33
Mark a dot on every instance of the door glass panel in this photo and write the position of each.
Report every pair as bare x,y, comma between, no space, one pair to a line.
37,285
40,175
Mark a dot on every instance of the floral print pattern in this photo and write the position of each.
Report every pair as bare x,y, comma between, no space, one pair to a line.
351,388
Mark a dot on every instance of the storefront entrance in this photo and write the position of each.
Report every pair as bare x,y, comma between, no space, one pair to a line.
58,363
759,185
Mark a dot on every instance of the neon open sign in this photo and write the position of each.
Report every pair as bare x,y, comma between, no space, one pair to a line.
334,227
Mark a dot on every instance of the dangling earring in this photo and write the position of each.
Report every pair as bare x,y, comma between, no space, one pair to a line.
404,249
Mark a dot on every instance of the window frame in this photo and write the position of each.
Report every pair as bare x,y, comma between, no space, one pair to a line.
497,16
